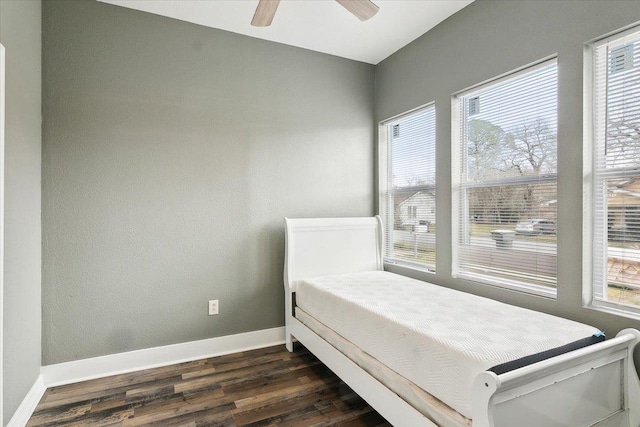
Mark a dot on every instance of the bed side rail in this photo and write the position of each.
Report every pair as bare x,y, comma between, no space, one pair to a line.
593,386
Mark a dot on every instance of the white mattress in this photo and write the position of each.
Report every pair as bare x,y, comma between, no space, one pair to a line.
436,337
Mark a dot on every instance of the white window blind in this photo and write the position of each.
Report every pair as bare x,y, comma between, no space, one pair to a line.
504,183
408,187
615,153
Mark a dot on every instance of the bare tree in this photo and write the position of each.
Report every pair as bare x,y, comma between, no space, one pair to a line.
529,149
533,147
623,141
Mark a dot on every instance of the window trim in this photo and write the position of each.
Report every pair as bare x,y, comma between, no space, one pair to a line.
457,102
384,171
616,38
474,89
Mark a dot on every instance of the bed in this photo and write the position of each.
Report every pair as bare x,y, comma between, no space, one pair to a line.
425,355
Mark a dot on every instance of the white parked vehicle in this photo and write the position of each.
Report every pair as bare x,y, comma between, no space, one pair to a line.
536,226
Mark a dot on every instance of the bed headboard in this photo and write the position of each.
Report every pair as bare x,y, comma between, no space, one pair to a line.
323,246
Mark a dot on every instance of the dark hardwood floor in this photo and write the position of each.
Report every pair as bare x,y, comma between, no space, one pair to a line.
266,387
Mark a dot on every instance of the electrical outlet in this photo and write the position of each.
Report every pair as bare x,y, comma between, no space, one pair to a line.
213,307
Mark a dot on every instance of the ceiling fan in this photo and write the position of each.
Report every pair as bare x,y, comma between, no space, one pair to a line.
362,9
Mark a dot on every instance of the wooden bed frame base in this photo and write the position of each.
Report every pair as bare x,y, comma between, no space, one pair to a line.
593,386
387,403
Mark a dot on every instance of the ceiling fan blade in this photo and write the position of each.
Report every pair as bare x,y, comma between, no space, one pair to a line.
362,9
264,13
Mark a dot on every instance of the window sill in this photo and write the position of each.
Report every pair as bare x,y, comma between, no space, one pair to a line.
615,309
550,293
409,265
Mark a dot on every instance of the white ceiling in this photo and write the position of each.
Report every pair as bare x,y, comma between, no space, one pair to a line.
320,25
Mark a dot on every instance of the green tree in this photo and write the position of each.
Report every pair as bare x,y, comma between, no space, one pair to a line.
484,141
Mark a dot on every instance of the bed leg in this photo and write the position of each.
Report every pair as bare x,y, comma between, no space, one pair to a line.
288,341
289,303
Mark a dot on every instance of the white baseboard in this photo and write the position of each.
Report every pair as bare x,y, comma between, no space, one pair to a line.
113,364
29,403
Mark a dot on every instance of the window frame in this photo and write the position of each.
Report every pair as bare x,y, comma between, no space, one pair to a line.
590,107
384,171
457,186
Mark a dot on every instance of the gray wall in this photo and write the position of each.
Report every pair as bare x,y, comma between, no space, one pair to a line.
171,154
484,40
20,33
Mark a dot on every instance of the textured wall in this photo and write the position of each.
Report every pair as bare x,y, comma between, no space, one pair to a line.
171,154
484,40
20,33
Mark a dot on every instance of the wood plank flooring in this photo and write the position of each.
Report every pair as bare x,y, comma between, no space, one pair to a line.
267,387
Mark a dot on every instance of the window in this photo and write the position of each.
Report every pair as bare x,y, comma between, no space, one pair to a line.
413,212
407,148
612,169
504,181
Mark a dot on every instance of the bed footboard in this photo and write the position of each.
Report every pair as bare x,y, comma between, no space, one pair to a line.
593,386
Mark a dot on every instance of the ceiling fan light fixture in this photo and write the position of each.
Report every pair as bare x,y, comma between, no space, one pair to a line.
362,9
265,12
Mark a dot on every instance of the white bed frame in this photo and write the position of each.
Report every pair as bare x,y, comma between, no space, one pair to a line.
593,386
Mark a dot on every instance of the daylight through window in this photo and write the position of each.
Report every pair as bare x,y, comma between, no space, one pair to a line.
613,157
408,188
504,181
